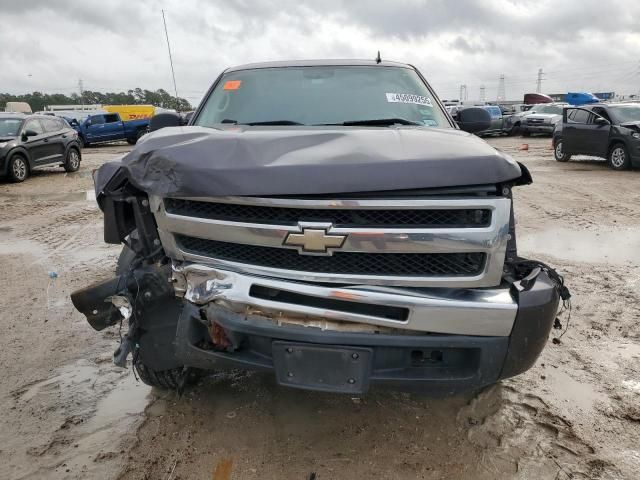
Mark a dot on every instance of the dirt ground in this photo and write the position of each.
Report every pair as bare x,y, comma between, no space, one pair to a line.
66,412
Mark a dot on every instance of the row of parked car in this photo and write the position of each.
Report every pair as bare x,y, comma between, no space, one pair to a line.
605,130
540,118
28,141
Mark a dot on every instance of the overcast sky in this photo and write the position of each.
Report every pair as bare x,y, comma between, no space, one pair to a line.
117,45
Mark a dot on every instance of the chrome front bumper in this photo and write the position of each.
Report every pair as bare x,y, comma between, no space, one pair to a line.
475,312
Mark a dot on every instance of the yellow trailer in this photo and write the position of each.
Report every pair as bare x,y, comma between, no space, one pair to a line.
131,112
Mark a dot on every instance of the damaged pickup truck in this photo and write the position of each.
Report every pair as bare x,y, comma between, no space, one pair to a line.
326,221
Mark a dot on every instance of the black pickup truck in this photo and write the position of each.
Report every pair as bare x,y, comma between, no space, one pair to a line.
327,221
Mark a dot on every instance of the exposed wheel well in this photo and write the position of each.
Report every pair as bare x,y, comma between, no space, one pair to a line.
73,147
613,144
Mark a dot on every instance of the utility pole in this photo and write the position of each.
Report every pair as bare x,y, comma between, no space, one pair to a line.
173,73
483,96
501,89
539,82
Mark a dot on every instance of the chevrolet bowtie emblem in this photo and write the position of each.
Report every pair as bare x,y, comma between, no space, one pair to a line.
314,240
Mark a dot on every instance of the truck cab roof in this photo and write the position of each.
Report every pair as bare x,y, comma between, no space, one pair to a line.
318,63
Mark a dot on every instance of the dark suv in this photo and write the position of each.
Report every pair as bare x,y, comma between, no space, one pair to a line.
28,142
611,131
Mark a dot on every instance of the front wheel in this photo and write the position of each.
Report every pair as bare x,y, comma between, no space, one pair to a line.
559,152
18,168
619,158
168,379
72,162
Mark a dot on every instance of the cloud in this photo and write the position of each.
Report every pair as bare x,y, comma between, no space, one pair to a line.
120,44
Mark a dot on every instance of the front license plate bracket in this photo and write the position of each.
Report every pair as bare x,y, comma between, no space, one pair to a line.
325,368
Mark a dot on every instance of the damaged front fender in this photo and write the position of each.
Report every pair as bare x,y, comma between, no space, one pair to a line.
95,302
144,298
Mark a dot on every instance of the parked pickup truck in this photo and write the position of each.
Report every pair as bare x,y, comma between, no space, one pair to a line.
326,221
109,127
542,119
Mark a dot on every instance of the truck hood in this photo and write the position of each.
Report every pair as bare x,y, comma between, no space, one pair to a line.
631,125
251,161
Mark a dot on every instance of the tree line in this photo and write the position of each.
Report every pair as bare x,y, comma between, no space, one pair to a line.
159,98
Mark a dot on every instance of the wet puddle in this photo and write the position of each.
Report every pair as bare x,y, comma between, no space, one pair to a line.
613,246
98,404
573,394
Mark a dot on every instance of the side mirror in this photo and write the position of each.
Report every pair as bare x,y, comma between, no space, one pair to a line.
163,120
473,119
87,122
601,121
29,133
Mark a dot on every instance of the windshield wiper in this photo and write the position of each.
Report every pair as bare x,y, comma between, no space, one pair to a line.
274,122
270,122
375,122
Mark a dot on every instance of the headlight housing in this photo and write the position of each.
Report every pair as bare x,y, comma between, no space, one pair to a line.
635,135
3,144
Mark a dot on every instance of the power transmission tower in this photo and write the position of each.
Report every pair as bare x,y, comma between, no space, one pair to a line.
539,82
638,74
80,87
463,93
483,96
501,91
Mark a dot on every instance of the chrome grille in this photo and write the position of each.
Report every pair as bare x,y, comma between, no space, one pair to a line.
450,218
447,242
348,263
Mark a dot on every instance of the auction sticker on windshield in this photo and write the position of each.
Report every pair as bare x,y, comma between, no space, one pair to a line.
408,98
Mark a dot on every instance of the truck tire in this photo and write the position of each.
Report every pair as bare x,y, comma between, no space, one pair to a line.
165,380
173,378
618,157
559,153
18,168
72,161
134,140
515,130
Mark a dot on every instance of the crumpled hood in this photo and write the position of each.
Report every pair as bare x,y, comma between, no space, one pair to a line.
631,125
243,160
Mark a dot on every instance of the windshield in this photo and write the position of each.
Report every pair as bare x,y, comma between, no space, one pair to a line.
322,95
9,127
625,113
